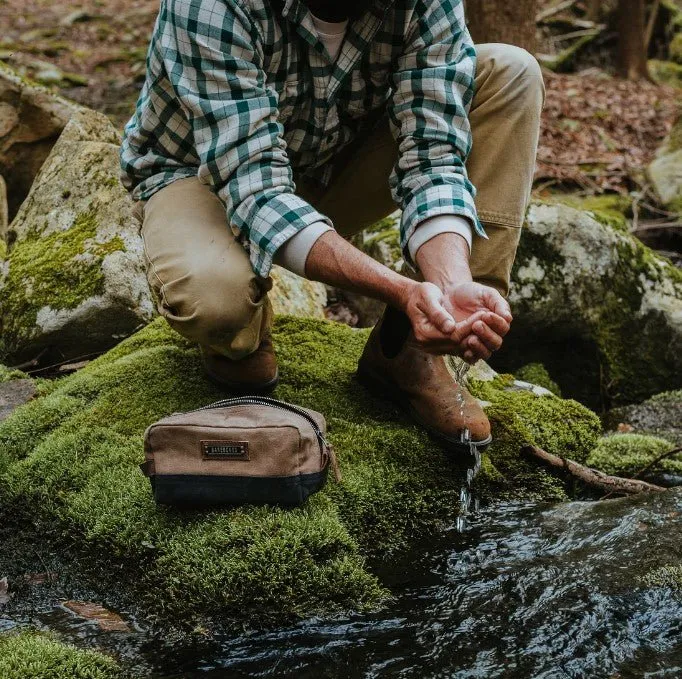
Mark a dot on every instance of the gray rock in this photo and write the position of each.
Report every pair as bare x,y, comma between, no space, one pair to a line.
665,171
593,304
31,120
14,394
74,281
661,415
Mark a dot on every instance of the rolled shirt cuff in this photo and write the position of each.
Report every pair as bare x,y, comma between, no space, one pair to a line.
294,253
435,226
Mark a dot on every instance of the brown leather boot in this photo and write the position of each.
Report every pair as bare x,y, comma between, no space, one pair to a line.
257,373
421,384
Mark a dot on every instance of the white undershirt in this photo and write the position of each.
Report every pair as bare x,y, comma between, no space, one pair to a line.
294,253
331,35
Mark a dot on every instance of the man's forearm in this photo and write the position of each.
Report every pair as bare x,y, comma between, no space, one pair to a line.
444,260
334,261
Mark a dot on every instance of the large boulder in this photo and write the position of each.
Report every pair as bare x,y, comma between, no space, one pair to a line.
69,469
73,281
31,119
601,311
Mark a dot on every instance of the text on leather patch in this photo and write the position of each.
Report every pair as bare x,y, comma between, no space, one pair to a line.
225,450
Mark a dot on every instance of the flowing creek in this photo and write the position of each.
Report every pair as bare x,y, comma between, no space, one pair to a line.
519,590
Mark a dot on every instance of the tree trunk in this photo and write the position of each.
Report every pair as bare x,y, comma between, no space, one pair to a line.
632,52
507,21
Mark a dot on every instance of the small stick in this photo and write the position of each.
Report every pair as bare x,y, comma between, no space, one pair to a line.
654,462
592,477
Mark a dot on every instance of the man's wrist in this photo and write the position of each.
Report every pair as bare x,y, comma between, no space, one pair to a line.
444,260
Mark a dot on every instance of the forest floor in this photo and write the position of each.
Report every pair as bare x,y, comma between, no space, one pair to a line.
598,132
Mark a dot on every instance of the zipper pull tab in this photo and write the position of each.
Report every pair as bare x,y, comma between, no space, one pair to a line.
334,462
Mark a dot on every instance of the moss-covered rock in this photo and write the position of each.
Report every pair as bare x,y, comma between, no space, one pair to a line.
30,655
536,373
661,415
629,454
592,303
68,462
73,281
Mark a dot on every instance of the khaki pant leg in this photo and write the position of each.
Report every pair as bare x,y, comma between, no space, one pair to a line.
200,274
505,123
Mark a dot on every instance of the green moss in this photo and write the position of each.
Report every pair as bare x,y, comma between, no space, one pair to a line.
666,72
3,249
70,463
666,576
610,209
8,374
29,655
519,418
536,373
59,271
628,454
631,344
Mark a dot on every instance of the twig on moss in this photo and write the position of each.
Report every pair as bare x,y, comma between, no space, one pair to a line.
655,461
592,477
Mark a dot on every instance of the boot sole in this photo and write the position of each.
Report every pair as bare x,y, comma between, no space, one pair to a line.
244,388
390,393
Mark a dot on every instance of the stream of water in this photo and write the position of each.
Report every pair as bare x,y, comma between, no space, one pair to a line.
519,591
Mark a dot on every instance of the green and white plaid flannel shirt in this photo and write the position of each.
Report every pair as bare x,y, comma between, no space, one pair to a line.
243,94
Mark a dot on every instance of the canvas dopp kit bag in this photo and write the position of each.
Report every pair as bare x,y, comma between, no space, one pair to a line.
247,450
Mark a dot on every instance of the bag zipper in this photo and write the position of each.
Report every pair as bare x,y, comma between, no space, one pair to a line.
326,449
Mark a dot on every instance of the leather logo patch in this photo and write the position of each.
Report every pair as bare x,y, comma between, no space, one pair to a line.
225,450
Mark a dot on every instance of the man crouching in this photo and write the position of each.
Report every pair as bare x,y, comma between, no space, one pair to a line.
272,130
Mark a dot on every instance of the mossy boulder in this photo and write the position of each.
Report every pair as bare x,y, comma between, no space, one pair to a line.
31,655
595,306
661,415
73,281
629,454
69,465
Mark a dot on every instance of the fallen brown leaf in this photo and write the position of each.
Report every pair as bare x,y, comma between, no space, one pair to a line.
108,621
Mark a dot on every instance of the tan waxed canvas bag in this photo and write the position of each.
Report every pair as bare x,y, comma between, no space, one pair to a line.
245,450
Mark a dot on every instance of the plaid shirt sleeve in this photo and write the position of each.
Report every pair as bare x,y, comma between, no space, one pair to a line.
433,87
212,55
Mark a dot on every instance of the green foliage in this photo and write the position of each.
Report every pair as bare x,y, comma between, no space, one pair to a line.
58,271
536,373
29,655
627,454
666,72
70,463
7,374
